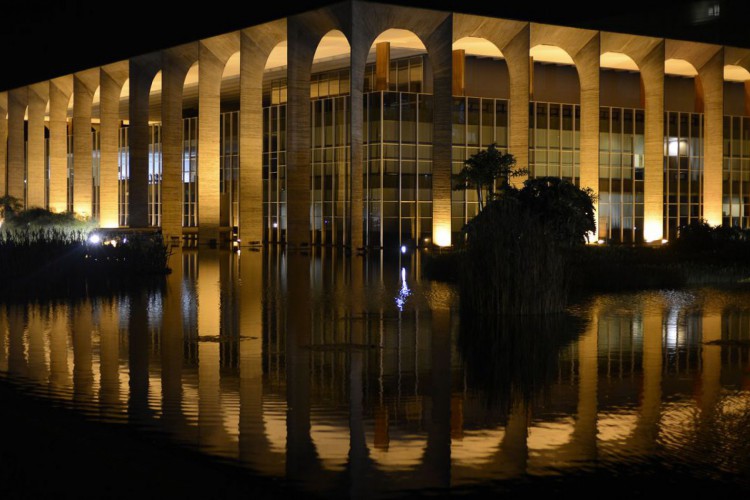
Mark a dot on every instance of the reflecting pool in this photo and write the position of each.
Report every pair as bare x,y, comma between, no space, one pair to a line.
354,376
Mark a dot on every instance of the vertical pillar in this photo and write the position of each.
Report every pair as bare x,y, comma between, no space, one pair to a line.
252,63
60,90
587,64
711,75
17,101
459,72
210,69
36,350
300,54
84,86
520,67
382,65
652,78
3,143
747,97
35,180
112,78
142,71
174,71
441,57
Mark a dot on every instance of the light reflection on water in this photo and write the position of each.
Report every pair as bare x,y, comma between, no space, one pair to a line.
305,368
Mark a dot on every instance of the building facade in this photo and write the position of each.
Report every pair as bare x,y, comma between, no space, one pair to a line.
345,125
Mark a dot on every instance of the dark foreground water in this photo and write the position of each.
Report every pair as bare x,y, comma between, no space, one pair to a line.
344,376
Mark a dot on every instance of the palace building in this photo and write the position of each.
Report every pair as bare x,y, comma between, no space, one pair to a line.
344,126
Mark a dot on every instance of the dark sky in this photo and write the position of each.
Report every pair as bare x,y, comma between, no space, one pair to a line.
44,39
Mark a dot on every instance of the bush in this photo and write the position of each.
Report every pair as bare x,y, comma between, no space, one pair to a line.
514,260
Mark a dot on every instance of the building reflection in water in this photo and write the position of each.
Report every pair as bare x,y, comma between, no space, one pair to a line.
302,366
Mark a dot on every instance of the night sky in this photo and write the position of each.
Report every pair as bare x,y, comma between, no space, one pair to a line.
45,39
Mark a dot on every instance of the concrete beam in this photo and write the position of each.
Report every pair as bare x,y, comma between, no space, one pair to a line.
60,91
112,79
35,179
17,102
84,87
256,44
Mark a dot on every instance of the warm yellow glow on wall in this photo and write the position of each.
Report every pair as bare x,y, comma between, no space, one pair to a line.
653,230
108,221
443,236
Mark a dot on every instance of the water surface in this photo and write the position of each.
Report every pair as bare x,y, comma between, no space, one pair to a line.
354,376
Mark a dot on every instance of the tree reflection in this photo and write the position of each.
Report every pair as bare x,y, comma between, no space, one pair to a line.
513,359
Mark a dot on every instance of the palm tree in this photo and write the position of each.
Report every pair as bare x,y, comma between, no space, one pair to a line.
483,169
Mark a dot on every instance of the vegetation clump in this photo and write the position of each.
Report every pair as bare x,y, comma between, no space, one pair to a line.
42,252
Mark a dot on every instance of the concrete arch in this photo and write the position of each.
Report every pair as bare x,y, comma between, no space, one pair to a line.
648,55
737,68
584,47
709,62
435,30
257,45
513,39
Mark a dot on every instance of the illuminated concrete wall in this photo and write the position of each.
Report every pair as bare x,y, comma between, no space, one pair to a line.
29,108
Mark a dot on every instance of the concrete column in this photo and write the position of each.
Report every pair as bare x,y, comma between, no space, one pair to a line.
210,69
3,143
175,65
84,86
516,54
652,78
587,64
112,78
142,71
60,90
711,75
17,101
35,181
440,52
300,52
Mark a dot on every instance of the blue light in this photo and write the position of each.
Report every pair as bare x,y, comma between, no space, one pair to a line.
95,239
403,248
